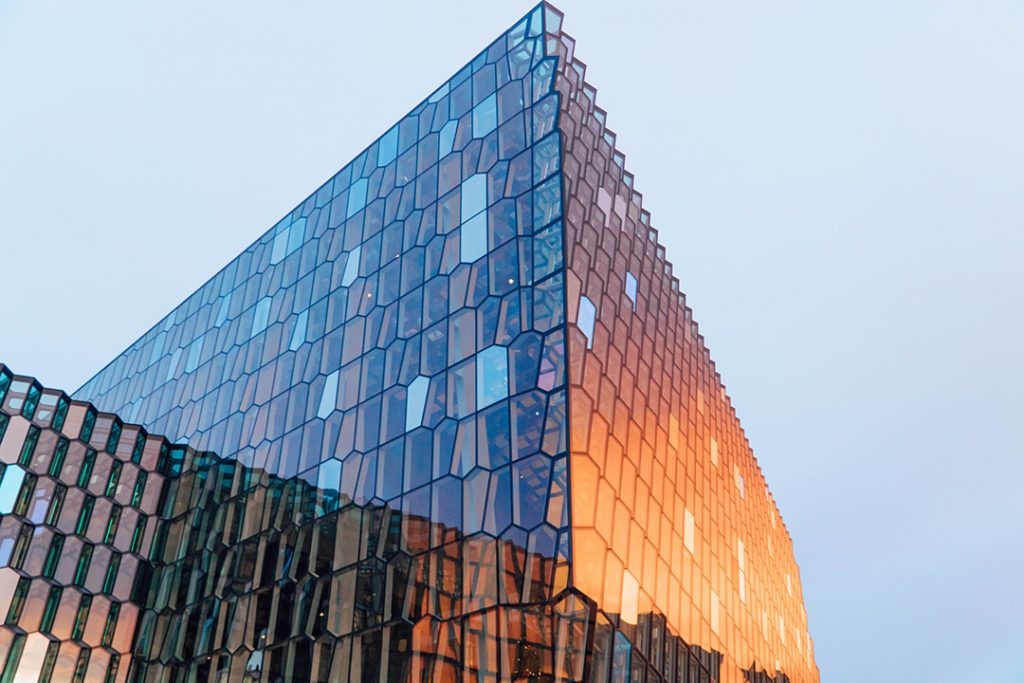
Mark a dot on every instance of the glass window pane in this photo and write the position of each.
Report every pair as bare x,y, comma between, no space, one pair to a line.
329,397
473,238
491,376
416,400
474,195
585,319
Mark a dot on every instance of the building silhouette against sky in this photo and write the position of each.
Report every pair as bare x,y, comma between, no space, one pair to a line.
449,419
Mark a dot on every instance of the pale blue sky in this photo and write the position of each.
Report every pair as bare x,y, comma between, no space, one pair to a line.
840,187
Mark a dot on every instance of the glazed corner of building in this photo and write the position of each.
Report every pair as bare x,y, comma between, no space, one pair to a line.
671,529
627,316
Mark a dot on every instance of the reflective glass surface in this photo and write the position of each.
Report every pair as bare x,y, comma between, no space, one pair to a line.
449,419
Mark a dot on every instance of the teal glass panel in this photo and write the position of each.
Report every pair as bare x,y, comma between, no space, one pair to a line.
31,401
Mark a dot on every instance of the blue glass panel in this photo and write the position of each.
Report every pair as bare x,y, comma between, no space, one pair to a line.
485,116
172,368
299,333
222,313
287,238
416,400
473,238
631,288
296,234
585,319
9,487
329,477
351,267
329,397
356,197
546,156
195,350
491,376
622,657
474,195
260,315
388,148
158,348
447,138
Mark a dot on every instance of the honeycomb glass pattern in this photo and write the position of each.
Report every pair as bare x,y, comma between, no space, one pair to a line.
674,531
390,358
449,420
79,496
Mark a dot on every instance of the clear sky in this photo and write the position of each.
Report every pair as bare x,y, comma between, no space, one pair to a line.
840,186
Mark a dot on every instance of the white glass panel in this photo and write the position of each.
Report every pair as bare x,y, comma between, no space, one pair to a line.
330,396
416,400
585,319
473,238
9,487
474,195
351,267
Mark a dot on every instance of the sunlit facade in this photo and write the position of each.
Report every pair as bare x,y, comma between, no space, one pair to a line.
449,419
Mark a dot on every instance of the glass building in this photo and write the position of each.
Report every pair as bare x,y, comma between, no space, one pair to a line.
449,420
